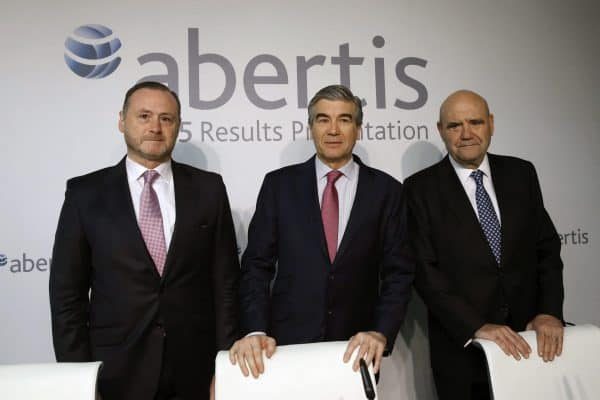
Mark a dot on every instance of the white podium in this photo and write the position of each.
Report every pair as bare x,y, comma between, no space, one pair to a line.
295,372
574,375
56,381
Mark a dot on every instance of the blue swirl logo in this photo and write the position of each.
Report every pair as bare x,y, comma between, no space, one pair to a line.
3,260
90,51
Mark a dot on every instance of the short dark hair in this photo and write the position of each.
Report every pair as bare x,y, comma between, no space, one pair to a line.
336,92
150,85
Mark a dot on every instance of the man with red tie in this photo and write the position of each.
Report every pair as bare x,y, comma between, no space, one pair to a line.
145,273
326,256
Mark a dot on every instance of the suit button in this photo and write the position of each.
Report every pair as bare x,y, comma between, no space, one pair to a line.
160,328
330,313
331,277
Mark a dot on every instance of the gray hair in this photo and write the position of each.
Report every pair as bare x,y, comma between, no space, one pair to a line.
336,92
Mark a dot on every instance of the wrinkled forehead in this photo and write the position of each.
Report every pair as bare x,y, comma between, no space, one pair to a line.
464,104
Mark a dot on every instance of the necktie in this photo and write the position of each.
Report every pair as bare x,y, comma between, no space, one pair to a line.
487,216
330,212
151,223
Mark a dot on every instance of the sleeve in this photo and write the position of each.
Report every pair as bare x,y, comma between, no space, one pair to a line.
70,272
396,269
549,266
226,274
258,262
456,316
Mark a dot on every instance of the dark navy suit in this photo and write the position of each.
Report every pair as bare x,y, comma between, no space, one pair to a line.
289,287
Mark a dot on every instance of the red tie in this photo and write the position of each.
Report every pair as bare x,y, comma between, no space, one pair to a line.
330,213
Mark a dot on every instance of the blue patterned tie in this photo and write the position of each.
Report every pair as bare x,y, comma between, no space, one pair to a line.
487,216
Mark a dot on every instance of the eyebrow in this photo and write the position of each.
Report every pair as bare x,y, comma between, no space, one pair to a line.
345,115
459,123
145,110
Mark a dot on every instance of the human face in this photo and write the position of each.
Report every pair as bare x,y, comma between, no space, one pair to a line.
150,126
334,131
466,127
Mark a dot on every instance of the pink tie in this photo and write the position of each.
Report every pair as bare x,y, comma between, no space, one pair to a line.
151,223
330,213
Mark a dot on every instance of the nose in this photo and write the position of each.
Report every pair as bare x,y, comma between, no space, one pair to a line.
466,132
334,128
155,125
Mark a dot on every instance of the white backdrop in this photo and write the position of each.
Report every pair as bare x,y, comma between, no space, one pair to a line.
536,62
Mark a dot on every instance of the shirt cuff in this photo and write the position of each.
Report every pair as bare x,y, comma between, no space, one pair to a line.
256,333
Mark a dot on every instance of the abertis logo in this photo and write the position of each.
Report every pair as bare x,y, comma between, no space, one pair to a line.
24,263
90,51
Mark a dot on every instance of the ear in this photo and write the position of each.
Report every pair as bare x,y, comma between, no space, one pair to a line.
121,122
439,127
491,124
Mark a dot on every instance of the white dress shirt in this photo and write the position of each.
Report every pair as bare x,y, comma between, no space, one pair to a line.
346,188
464,176
164,188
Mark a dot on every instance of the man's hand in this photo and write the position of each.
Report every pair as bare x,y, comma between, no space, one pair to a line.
371,346
549,332
511,343
212,388
247,352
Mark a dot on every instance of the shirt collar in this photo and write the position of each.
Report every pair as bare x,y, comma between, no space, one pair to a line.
465,173
349,170
136,170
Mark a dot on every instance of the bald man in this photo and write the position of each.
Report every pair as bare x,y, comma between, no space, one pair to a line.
488,255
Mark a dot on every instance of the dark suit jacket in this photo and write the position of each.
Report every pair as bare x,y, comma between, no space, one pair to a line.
457,275
368,284
99,250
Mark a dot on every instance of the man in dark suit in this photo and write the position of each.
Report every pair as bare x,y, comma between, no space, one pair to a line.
326,252
488,256
144,273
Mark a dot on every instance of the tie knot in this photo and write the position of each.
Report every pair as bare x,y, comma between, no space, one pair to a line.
333,176
477,175
150,176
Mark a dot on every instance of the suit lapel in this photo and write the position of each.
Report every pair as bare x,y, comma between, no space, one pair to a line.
309,200
184,202
453,194
502,182
360,207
